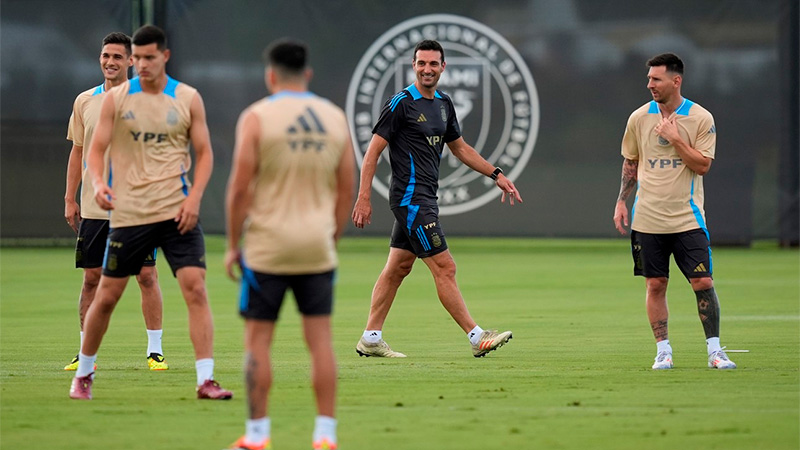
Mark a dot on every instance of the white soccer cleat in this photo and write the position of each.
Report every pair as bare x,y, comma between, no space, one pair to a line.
719,360
379,349
663,361
490,340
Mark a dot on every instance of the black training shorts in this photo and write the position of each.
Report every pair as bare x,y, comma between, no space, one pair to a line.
90,247
418,230
691,250
129,248
262,294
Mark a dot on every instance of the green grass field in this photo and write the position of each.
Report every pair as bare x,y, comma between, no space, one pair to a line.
576,375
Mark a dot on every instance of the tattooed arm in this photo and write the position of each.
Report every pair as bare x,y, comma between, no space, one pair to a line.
629,177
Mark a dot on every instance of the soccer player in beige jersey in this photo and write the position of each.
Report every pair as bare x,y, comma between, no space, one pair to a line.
87,218
148,122
290,192
668,146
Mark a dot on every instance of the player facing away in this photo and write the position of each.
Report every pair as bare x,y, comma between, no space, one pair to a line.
415,150
668,146
290,192
148,122
90,221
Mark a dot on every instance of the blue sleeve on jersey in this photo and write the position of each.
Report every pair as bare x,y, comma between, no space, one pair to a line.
453,131
389,121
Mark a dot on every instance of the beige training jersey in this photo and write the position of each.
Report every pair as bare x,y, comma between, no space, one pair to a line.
85,112
669,195
149,157
291,223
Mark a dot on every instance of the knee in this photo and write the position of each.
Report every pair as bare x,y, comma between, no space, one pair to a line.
147,279
701,284
195,294
91,278
657,286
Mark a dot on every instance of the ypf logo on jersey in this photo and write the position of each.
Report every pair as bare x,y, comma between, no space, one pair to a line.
491,87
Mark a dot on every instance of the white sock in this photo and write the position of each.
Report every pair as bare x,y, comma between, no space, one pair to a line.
663,346
154,342
475,335
85,364
205,370
712,344
373,336
257,430
324,427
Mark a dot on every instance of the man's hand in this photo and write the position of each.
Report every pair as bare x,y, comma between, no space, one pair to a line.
508,188
233,258
72,212
188,215
103,196
668,130
362,212
621,217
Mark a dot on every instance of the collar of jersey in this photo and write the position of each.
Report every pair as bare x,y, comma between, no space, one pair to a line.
293,94
416,94
169,89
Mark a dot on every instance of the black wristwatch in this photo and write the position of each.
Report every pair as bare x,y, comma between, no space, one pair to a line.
497,171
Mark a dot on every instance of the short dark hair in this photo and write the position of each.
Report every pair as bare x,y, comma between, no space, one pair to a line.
118,38
150,34
289,56
670,60
428,44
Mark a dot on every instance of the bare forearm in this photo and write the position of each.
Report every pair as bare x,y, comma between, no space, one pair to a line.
629,177
692,158
472,159
73,173
202,172
236,204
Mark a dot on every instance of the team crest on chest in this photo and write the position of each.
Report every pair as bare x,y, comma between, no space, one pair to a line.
662,141
443,112
172,116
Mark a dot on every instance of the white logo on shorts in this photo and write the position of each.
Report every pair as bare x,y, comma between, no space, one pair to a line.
491,87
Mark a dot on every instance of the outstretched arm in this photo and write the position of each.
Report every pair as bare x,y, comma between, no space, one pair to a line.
469,156
630,175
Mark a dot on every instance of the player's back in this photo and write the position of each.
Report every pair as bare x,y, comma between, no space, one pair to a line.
292,223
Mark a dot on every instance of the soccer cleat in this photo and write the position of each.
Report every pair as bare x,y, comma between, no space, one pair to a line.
490,340
156,362
81,388
73,365
663,360
324,444
379,349
241,444
211,390
719,360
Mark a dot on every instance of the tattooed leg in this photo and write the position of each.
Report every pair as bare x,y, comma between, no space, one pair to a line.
708,309
660,331
657,311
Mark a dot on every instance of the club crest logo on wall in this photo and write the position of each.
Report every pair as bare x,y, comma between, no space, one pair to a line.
493,91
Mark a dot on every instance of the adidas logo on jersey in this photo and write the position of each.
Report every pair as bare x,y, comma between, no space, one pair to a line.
128,116
305,132
700,268
422,118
